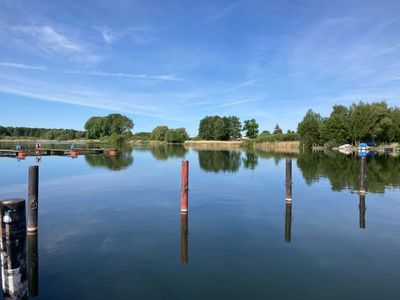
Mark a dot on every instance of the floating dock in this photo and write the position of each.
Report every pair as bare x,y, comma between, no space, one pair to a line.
48,152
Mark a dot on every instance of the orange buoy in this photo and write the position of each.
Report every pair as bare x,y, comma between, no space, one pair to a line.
21,154
112,152
74,153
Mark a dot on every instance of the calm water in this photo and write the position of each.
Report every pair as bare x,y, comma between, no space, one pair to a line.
110,228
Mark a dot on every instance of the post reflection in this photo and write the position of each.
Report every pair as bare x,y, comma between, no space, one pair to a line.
184,238
33,265
288,222
362,191
288,198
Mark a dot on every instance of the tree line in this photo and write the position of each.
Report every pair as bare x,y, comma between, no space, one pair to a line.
45,133
357,123
230,128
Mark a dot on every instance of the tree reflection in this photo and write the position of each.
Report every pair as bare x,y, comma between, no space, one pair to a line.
343,171
216,161
122,161
250,161
165,151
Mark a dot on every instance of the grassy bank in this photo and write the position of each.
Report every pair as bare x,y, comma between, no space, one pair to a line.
213,145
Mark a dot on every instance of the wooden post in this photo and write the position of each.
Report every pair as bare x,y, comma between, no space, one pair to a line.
288,180
33,198
13,249
184,238
288,222
185,186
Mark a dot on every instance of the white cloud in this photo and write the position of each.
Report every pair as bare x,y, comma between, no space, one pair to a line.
22,66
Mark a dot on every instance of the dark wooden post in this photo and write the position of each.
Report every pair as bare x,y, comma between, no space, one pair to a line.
184,238
288,222
185,186
33,198
13,248
288,179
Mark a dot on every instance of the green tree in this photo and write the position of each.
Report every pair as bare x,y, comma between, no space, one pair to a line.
309,129
235,127
251,128
178,135
158,133
336,129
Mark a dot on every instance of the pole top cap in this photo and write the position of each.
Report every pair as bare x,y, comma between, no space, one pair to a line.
12,201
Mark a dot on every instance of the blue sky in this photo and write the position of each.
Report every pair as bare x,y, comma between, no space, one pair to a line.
174,62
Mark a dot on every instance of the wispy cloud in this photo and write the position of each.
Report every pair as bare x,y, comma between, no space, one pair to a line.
42,40
139,35
243,84
224,12
168,77
23,66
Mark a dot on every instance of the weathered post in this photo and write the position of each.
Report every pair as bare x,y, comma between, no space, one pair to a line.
13,249
185,186
288,222
362,191
184,238
288,180
33,198
33,264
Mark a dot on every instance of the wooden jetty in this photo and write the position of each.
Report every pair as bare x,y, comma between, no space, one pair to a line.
48,152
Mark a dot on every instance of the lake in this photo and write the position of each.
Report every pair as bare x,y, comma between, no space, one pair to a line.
111,227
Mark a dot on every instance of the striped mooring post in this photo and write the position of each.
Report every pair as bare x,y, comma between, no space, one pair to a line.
13,249
185,186
33,198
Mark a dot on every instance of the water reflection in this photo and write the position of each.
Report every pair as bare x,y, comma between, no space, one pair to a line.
165,151
250,161
184,238
216,161
33,264
121,161
362,207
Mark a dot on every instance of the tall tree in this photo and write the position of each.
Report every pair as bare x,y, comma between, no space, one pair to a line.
277,129
309,128
158,133
251,128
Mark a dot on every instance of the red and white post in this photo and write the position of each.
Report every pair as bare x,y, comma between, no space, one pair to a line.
185,186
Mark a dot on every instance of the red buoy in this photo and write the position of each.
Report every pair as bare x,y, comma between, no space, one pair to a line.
112,152
21,154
